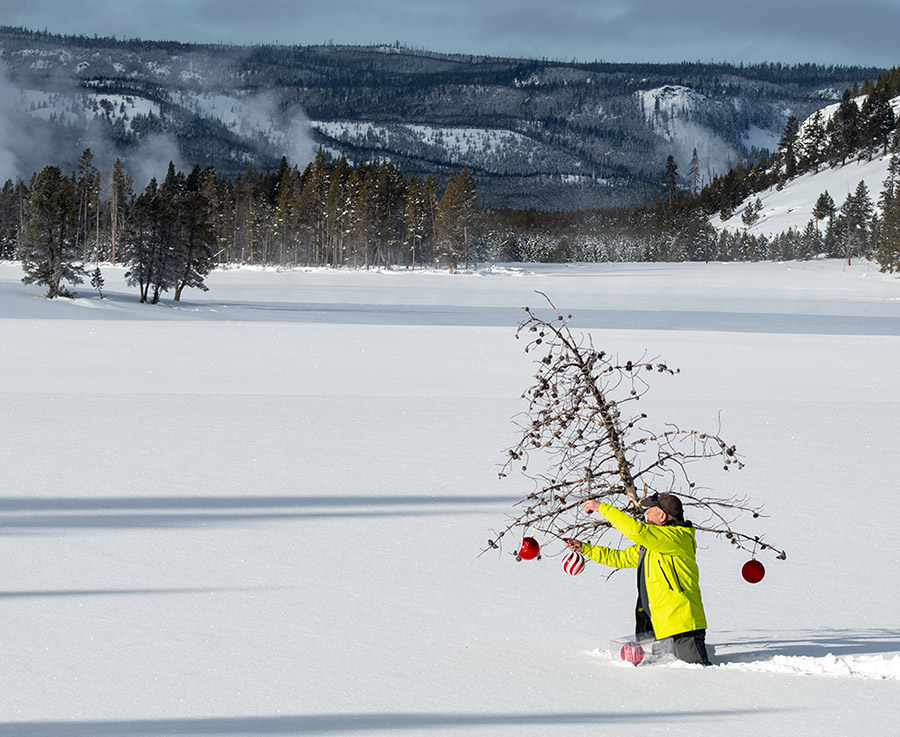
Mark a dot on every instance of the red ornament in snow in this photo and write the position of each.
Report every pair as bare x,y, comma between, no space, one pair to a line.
530,549
753,571
573,563
632,652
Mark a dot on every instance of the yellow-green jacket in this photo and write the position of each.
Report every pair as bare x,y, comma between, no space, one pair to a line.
670,569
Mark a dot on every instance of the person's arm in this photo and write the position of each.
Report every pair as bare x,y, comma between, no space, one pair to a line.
627,558
658,538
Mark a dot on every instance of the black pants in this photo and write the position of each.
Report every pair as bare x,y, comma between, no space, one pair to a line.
687,646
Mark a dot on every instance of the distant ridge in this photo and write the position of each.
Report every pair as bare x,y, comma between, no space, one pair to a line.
534,133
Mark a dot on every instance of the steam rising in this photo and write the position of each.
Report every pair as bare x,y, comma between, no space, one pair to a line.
9,125
54,123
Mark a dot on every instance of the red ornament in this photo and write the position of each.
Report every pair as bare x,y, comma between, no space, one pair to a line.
632,652
530,549
573,563
753,571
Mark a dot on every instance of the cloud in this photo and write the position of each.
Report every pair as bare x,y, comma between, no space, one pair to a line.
660,30
829,32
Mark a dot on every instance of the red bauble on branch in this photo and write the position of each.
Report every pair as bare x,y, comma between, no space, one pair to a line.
530,549
573,563
753,571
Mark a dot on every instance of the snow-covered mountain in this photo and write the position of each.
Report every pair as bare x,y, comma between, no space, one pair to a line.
533,133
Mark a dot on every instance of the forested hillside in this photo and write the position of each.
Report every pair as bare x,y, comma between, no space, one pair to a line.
535,134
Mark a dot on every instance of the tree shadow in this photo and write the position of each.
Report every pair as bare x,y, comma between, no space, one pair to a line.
748,647
346,723
33,515
64,593
124,306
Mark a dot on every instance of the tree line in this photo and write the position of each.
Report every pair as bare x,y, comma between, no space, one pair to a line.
173,233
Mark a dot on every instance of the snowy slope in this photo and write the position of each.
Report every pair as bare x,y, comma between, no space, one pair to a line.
792,205
484,148
259,511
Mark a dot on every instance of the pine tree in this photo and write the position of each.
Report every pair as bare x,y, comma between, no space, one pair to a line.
810,242
844,129
284,216
245,214
336,213
430,198
671,181
813,146
318,184
887,245
414,219
446,223
824,208
751,212
469,211
455,217
87,189
787,148
120,197
12,198
150,241
138,241
363,223
48,247
220,200
97,280
694,173
877,120
194,242
856,212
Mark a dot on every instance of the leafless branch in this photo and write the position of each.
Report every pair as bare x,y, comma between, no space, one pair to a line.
576,427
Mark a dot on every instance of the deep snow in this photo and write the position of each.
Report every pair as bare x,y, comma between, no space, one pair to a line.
259,512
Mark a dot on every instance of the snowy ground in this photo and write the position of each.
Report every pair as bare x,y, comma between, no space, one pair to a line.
259,512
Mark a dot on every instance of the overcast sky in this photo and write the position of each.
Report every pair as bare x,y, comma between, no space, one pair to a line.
864,32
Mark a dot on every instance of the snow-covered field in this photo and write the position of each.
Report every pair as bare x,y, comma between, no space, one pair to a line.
259,512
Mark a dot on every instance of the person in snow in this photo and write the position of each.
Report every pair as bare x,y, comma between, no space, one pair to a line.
669,606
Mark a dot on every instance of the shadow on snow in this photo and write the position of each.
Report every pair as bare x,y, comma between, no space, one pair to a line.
753,646
342,723
28,515
120,306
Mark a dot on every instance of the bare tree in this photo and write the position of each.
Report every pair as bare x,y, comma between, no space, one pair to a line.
576,431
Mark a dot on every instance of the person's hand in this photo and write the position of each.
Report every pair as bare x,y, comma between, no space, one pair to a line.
592,505
572,544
